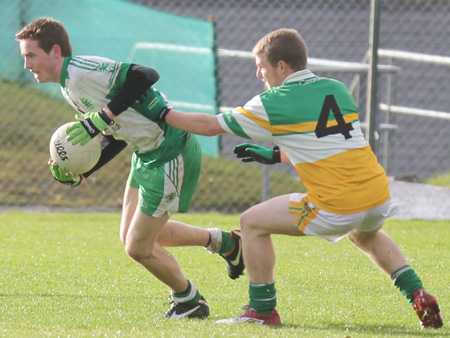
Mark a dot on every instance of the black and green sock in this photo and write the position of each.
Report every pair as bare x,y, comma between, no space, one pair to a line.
189,296
406,280
263,297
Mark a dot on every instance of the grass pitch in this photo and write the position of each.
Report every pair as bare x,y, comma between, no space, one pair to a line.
67,275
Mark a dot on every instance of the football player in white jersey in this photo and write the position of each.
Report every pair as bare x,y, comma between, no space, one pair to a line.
114,98
314,123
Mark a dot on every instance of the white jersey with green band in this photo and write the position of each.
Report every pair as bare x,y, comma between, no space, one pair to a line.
315,121
89,83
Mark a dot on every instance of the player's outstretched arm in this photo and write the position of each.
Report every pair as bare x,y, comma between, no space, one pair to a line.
159,109
195,123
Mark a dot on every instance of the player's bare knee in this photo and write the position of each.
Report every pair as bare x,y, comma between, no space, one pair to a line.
246,221
137,254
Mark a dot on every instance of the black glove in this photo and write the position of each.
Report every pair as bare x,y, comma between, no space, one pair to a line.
250,152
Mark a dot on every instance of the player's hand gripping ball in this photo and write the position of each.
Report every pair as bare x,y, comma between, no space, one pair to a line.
76,159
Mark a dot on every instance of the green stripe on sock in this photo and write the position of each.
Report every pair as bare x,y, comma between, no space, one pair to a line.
408,283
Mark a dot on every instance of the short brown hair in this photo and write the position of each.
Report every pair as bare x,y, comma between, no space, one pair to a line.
284,44
48,32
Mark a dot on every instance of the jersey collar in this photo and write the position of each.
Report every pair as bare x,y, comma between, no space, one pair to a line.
64,73
299,76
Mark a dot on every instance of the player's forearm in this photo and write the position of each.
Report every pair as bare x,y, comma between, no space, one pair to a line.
110,149
195,123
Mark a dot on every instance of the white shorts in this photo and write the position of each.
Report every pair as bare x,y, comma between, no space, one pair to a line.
333,227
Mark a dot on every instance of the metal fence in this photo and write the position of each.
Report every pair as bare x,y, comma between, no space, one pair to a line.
411,146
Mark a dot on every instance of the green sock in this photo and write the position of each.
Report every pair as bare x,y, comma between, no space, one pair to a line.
189,296
227,243
263,297
406,280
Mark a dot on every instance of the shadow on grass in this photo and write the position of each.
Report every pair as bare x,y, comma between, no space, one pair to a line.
371,330
320,330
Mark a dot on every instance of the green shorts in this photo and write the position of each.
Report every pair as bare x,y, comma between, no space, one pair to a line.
169,187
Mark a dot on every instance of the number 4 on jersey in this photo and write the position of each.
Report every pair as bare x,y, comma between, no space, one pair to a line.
341,127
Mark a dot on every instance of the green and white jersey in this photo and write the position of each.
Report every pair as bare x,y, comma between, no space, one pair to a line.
89,83
315,121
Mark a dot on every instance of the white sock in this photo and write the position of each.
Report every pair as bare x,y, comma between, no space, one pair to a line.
216,240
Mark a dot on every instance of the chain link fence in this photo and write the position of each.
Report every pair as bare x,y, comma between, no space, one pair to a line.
412,121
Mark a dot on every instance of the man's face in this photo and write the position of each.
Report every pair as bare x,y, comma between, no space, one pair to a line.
45,67
270,75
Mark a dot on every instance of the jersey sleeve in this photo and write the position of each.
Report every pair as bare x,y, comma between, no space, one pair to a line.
138,79
90,82
250,121
110,149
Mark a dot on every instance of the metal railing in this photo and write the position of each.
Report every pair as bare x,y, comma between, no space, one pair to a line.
390,108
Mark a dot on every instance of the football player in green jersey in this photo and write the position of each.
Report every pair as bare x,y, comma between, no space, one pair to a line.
114,98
